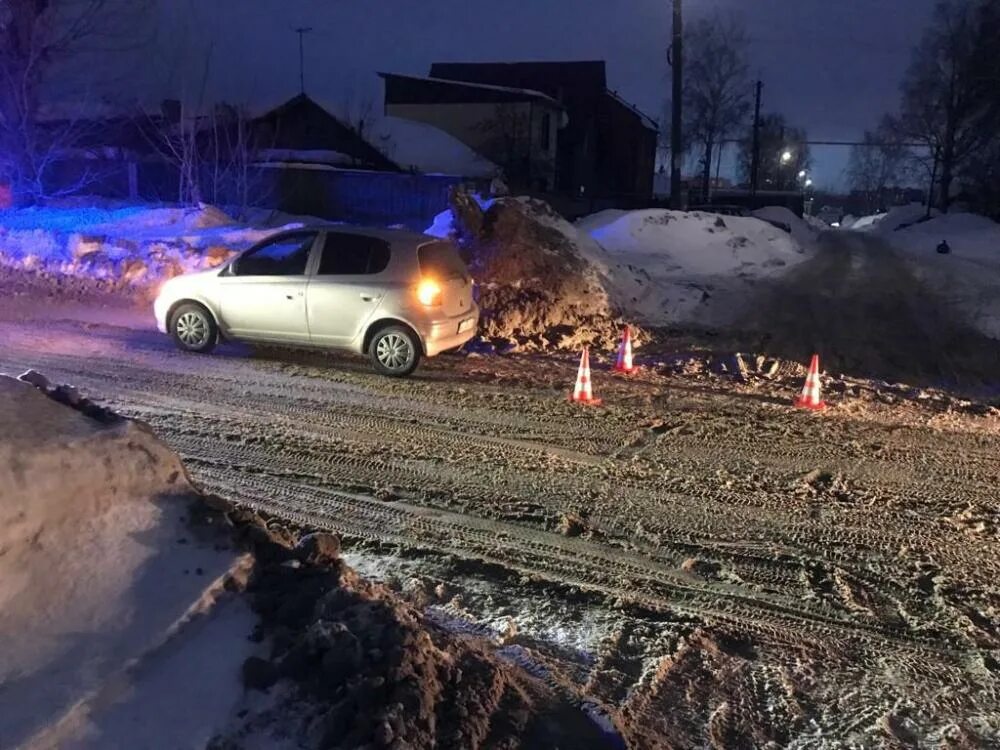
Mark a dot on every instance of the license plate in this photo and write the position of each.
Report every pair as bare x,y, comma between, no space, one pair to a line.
466,324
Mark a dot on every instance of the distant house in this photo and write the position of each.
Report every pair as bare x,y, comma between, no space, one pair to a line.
515,128
301,130
599,145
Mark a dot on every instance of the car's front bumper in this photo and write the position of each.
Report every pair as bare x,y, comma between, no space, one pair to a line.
160,308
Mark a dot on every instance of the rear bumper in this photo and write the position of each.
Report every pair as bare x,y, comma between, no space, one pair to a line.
442,335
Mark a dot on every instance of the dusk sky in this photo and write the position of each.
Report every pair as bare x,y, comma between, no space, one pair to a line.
831,67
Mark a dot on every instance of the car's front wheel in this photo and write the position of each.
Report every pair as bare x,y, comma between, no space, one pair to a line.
394,351
193,328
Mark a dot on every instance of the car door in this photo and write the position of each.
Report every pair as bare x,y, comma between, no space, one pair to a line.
347,288
263,292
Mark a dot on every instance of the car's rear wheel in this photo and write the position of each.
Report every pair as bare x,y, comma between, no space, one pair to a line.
394,351
193,328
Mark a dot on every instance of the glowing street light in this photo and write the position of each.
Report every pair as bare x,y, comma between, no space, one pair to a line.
786,157
809,183
802,174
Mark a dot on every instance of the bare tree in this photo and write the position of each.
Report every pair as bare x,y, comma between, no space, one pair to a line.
784,154
509,143
717,84
950,103
230,147
39,40
876,164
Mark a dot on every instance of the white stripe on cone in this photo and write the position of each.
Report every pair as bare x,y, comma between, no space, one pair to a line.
582,392
811,397
624,363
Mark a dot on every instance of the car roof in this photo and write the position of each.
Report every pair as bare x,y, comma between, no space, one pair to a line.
392,236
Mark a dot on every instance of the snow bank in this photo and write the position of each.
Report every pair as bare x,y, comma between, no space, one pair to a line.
126,244
443,225
969,276
895,218
115,629
424,148
667,267
802,231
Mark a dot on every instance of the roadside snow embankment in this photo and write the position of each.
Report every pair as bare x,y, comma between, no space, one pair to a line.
968,277
121,245
114,630
537,286
669,267
803,231
137,613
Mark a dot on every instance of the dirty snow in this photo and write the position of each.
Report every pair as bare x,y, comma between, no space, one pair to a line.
669,267
115,628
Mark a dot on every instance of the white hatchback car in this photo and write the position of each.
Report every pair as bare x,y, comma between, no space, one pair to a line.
392,294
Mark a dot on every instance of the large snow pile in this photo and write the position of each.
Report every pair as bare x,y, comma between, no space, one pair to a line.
969,276
424,148
802,231
537,286
114,626
668,267
135,613
132,245
897,217
816,223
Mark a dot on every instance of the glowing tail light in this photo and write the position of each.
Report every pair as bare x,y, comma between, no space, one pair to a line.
429,293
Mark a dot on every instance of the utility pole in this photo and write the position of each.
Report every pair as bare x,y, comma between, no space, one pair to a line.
755,154
302,31
676,140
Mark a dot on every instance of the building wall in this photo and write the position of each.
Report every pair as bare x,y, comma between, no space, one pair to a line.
510,135
626,155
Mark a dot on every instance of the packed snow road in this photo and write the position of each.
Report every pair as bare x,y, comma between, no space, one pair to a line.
761,575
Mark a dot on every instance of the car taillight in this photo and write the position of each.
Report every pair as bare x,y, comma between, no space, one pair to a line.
429,293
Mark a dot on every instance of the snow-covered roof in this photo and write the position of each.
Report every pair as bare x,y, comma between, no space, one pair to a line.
307,156
482,87
648,121
424,148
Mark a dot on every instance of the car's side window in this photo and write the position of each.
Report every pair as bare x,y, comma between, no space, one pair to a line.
353,255
284,256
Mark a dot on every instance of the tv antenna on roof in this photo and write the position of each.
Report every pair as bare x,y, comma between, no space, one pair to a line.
302,31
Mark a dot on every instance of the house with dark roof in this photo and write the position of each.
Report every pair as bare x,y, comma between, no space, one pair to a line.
596,144
514,127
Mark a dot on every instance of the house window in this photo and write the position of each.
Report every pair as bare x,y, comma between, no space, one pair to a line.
546,138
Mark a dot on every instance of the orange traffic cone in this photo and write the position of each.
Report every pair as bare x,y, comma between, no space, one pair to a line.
810,398
624,363
582,394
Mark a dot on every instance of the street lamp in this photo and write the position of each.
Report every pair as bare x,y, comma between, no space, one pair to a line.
802,174
786,156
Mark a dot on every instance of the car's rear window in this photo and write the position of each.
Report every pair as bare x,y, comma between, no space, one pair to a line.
441,260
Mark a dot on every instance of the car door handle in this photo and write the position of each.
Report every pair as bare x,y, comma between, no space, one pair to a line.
292,296
370,297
